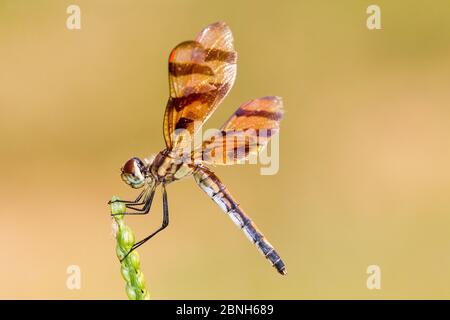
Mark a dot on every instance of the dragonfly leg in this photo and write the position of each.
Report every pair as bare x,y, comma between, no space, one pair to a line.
165,223
145,209
134,202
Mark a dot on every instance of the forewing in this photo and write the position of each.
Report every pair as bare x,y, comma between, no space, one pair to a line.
201,73
246,132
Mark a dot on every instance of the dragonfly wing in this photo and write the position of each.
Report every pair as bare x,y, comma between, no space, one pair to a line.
201,73
246,132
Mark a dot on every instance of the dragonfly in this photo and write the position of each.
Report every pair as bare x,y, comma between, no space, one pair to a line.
201,73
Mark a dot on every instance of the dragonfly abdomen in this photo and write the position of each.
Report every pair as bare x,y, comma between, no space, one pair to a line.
211,184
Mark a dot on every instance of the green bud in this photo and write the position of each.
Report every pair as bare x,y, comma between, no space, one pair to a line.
137,279
145,295
117,207
120,253
133,260
125,272
131,292
126,238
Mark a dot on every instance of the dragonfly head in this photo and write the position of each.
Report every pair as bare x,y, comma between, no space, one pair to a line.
134,173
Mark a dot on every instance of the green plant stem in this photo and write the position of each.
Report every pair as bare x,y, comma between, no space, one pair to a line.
130,266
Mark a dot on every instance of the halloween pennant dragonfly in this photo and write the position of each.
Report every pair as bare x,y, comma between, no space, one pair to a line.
201,73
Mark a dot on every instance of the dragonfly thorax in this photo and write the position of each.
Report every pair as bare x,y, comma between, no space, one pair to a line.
167,167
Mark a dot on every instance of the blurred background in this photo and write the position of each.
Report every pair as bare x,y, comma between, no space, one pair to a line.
364,174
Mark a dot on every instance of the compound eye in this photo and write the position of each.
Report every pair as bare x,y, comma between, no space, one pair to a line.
132,172
130,167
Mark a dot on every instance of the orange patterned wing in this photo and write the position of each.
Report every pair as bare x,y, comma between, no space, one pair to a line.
201,73
246,132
